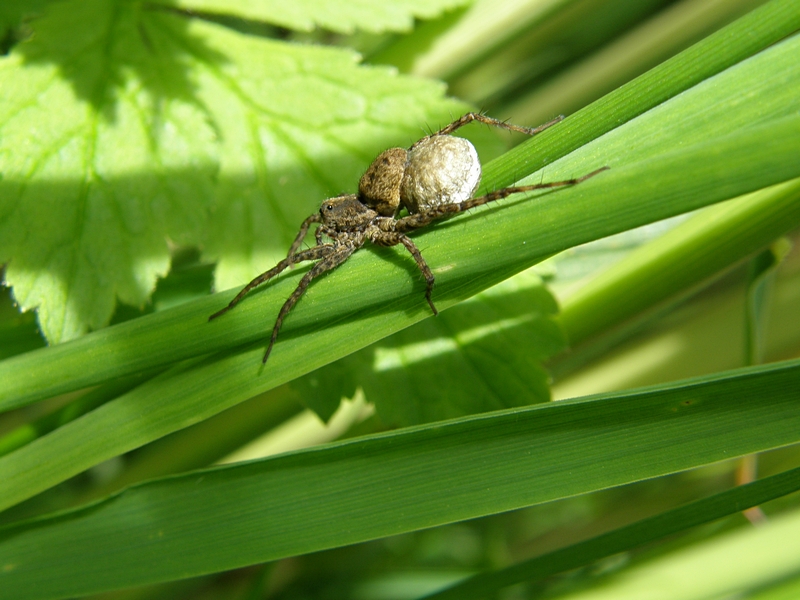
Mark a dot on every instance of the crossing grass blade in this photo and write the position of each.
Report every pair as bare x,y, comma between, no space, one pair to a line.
626,538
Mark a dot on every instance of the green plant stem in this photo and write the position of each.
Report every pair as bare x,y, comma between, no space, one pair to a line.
676,263
648,45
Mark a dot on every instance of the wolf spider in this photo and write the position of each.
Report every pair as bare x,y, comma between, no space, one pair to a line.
433,179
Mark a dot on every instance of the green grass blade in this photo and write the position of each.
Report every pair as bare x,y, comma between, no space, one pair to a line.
385,484
734,564
24,434
627,538
681,259
745,37
640,48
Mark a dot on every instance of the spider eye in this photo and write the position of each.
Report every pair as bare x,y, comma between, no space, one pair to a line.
329,207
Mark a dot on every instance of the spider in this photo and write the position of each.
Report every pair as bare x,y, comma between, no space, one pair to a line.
434,179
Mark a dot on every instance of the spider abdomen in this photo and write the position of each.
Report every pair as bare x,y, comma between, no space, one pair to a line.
441,169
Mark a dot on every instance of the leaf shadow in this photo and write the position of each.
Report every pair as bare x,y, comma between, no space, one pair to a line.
115,235
480,355
105,49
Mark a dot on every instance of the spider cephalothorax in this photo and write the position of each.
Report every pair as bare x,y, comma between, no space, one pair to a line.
433,179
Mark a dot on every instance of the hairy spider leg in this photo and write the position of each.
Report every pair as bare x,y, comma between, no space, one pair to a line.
301,235
394,238
423,266
480,117
422,219
310,254
339,254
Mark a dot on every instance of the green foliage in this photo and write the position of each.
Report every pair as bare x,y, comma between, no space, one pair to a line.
140,143
679,519
341,17
454,366
14,12
506,460
139,124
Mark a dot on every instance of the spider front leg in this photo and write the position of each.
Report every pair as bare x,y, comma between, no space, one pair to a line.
339,254
301,235
310,254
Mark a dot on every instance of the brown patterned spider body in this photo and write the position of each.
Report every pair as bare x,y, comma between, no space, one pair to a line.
433,179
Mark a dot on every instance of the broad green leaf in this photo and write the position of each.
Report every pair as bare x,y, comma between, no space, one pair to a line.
380,485
96,163
301,124
649,180
134,121
13,12
341,17
483,354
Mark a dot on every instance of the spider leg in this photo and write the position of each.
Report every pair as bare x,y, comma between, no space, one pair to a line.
309,254
315,218
480,117
441,211
340,254
391,239
505,192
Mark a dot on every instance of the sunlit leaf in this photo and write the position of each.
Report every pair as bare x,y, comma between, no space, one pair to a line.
135,121
483,354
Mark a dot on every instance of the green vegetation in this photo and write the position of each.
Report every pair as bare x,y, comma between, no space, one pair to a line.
153,151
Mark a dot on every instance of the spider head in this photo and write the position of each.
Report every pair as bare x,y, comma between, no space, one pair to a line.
345,212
